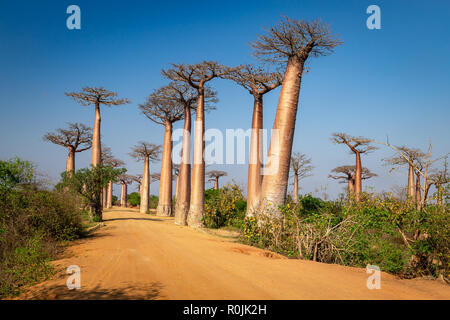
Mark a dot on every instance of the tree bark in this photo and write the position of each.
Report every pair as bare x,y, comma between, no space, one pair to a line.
418,198
358,171
105,197
295,195
351,186
123,196
254,166
411,191
274,184
184,174
70,163
144,187
197,202
96,144
165,188
109,197
216,183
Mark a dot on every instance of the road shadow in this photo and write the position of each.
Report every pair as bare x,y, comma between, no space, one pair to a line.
139,219
128,292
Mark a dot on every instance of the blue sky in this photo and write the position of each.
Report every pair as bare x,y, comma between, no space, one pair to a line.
393,81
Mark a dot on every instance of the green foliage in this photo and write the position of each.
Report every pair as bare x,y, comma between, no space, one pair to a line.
381,231
89,183
224,207
15,172
32,222
153,201
114,199
134,199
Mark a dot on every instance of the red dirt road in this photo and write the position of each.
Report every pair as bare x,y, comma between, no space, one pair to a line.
138,256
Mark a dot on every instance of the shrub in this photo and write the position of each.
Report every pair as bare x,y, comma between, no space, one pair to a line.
224,207
134,199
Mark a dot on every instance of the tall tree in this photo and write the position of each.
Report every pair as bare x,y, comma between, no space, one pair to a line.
257,82
109,159
124,180
76,138
413,156
164,111
347,175
358,146
138,179
197,76
96,96
146,152
301,167
289,43
214,175
187,96
176,173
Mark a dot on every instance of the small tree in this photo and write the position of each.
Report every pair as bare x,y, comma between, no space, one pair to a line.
301,167
76,138
347,175
124,180
88,183
357,145
214,175
146,152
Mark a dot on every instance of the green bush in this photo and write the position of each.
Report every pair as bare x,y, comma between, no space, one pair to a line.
134,199
153,201
224,207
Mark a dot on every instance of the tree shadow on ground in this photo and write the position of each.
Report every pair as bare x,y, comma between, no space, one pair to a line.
139,219
128,292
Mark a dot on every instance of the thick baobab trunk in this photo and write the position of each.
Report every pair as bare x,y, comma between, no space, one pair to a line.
216,183
144,187
295,195
104,197
358,170
411,189
96,144
184,174
109,195
418,198
123,196
275,182
197,203
254,167
165,188
70,163
176,187
351,186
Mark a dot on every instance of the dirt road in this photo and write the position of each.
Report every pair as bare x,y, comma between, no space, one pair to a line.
138,256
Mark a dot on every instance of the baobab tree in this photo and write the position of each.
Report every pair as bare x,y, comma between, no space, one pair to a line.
96,96
439,179
411,158
358,146
108,159
301,167
257,82
77,138
124,180
164,111
290,43
187,96
347,175
155,177
214,175
197,76
146,152
176,174
138,179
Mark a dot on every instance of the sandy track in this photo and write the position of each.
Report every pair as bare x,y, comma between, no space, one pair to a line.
137,256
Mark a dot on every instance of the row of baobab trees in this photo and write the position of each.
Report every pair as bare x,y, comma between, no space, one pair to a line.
288,46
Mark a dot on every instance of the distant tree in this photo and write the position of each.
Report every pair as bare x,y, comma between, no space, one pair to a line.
96,96
15,173
124,180
301,167
290,44
108,159
257,82
440,180
214,175
347,175
138,179
413,157
146,152
76,138
164,111
357,145
197,76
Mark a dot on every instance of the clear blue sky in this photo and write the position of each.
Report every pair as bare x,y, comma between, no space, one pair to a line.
393,81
